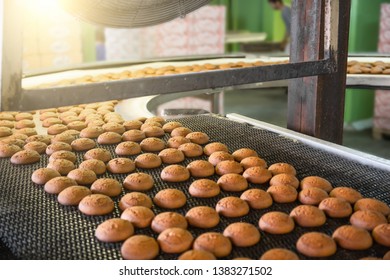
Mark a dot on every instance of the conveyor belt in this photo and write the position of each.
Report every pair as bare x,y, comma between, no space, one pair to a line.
34,226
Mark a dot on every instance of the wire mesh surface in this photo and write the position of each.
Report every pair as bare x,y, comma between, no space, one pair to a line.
34,226
131,13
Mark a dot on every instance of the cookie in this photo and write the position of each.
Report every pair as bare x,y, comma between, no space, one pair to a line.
42,175
114,230
202,217
257,175
91,132
134,124
308,216
180,131
25,157
153,131
279,254
172,156
191,149
82,176
204,188
276,223
200,168
148,161
253,161
335,207
372,204
257,198
352,238
284,179
367,219
283,194
98,153
59,146
213,242
312,196
8,150
232,207
240,154
381,234
139,216
175,173
346,193
83,144
135,199
316,182
215,147
72,195
282,167
133,135
228,166
220,156
316,244
109,138
56,129
106,186
128,148
167,220
175,240
232,182
121,166
176,141
170,126
63,166
200,138
114,127
152,144
96,204
63,155
170,199
196,255
97,166
140,247
58,184
242,234
138,182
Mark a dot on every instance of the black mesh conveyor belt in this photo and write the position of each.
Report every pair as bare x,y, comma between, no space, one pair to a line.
34,226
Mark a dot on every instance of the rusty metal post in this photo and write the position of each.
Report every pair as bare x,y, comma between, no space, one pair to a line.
319,30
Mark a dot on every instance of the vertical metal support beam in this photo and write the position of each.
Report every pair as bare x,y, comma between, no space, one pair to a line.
319,30
11,74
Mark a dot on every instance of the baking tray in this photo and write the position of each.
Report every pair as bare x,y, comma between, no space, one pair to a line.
34,226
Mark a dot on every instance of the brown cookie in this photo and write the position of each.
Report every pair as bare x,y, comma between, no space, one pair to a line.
171,156
148,161
63,166
308,216
121,166
91,132
283,194
196,255
200,138
83,144
346,193
204,188
228,166
175,173
316,182
96,204
72,195
213,242
279,254
114,230
170,199
167,220
253,161
176,141
215,147
312,196
138,182
56,129
276,223
152,144
367,219
82,176
139,216
109,138
257,198
58,184
284,179
106,186
128,148
63,155
8,150
133,135
140,247
257,175
175,240
381,234
282,167
59,146
352,238
170,126
25,157
135,199
232,182
232,207
42,175
242,234
240,154
114,127
97,166
134,124
191,149
202,217
200,168
180,131
372,204
336,207
316,244
98,153
219,156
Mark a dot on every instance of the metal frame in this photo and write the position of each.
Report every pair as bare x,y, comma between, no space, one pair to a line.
319,48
